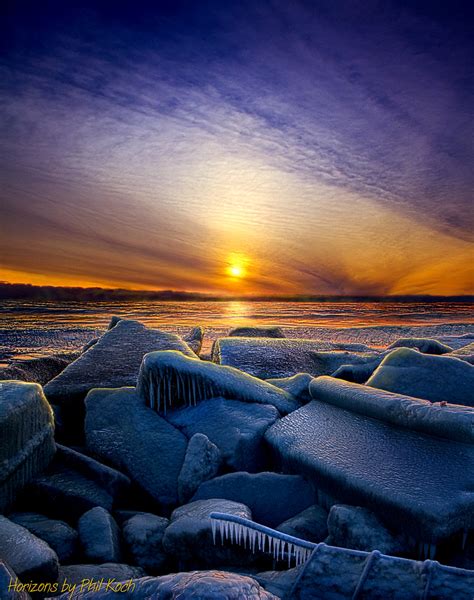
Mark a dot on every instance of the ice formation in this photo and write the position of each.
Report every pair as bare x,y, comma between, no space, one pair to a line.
170,379
249,534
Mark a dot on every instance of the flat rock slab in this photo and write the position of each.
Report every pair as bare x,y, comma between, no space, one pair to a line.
123,431
114,361
26,434
413,481
272,497
27,555
434,378
275,358
236,428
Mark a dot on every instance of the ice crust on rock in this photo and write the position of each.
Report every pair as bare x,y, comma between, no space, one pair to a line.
272,497
424,345
99,536
169,379
434,378
112,362
297,386
26,434
201,462
236,428
450,421
27,555
413,481
277,358
122,430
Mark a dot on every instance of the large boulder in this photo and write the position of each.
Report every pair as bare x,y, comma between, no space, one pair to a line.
100,536
276,358
310,524
202,585
424,345
434,378
27,434
143,536
169,380
201,462
60,536
236,428
122,430
73,484
27,555
112,362
272,497
359,528
35,370
189,535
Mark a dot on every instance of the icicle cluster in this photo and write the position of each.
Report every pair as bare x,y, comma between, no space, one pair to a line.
254,536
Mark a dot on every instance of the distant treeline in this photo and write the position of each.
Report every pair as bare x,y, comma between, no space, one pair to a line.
26,291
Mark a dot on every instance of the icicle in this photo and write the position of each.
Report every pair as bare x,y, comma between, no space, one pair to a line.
290,553
276,549
213,527
221,531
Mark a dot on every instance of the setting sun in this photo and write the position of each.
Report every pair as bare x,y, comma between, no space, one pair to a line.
236,271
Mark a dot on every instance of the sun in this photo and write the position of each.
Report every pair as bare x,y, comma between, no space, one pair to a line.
236,271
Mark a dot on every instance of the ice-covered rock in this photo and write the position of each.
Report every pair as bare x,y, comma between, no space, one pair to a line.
236,428
202,585
114,361
122,430
10,586
60,536
272,497
338,573
310,524
170,379
201,462
465,353
451,421
434,378
414,481
424,345
29,557
276,358
35,370
27,436
358,528
297,386
194,339
99,536
73,484
189,534
143,537
268,332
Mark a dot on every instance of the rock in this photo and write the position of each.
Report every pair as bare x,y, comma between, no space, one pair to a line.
27,555
236,428
170,379
114,361
279,583
77,574
268,332
59,536
27,434
465,353
143,536
338,573
434,378
123,431
356,373
35,370
201,462
114,320
415,481
189,535
277,358
100,536
272,497
10,586
424,345
89,344
358,528
310,524
202,585
73,484
297,386
194,339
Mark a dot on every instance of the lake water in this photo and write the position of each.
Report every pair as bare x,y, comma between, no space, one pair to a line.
30,329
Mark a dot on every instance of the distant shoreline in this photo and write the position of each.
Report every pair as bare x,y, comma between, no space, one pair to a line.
20,291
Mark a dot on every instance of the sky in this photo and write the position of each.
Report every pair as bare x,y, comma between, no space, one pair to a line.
250,147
